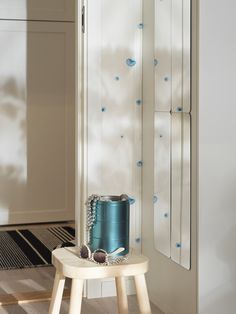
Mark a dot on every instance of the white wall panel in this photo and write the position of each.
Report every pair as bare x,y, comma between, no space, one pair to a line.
180,181
59,10
162,202
176,187
177,55
172,95
163,55
114,33
186,193
186,55
172,55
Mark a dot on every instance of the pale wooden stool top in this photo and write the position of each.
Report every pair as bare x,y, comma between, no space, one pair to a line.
68,263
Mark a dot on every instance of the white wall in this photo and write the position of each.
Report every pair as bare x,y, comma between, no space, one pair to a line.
114,116
217,157
114,109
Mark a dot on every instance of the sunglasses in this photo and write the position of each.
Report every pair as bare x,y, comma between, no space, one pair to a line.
100,256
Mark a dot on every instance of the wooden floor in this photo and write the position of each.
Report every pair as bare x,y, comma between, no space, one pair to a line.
36,279
92,306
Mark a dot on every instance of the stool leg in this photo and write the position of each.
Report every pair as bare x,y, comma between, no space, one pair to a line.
121,295
57,293
76,296
142,294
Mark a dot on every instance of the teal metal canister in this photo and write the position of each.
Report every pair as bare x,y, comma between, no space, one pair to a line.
111,227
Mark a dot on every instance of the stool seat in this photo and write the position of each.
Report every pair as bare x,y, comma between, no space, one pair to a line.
68,264
67,261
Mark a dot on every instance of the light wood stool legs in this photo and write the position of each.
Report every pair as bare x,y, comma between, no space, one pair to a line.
67,261
76,296
142,294
122,299
57,293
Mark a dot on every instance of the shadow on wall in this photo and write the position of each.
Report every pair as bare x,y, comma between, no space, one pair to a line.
13,159
114,128
169,91
115,118
36,119
114,124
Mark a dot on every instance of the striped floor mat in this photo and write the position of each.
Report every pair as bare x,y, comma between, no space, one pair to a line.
31,247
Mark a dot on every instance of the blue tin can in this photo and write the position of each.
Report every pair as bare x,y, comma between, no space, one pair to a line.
111,227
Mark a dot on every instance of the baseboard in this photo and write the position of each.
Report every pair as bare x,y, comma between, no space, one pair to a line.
107,288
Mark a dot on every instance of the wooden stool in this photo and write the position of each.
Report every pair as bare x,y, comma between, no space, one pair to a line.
68,264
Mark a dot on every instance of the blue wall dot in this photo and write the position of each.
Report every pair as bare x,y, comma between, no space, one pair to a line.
140,26
117,78
140,163
155,199
132,200
139,102
179,109
103,109
156,62
178,245
130,62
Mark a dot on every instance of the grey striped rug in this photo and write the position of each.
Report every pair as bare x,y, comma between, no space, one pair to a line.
31,247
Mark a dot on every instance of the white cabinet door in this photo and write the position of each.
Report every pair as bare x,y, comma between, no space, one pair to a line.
36,121
56,10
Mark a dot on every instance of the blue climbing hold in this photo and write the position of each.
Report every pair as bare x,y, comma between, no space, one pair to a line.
140,26
155,199
156,62
140,163
130,62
